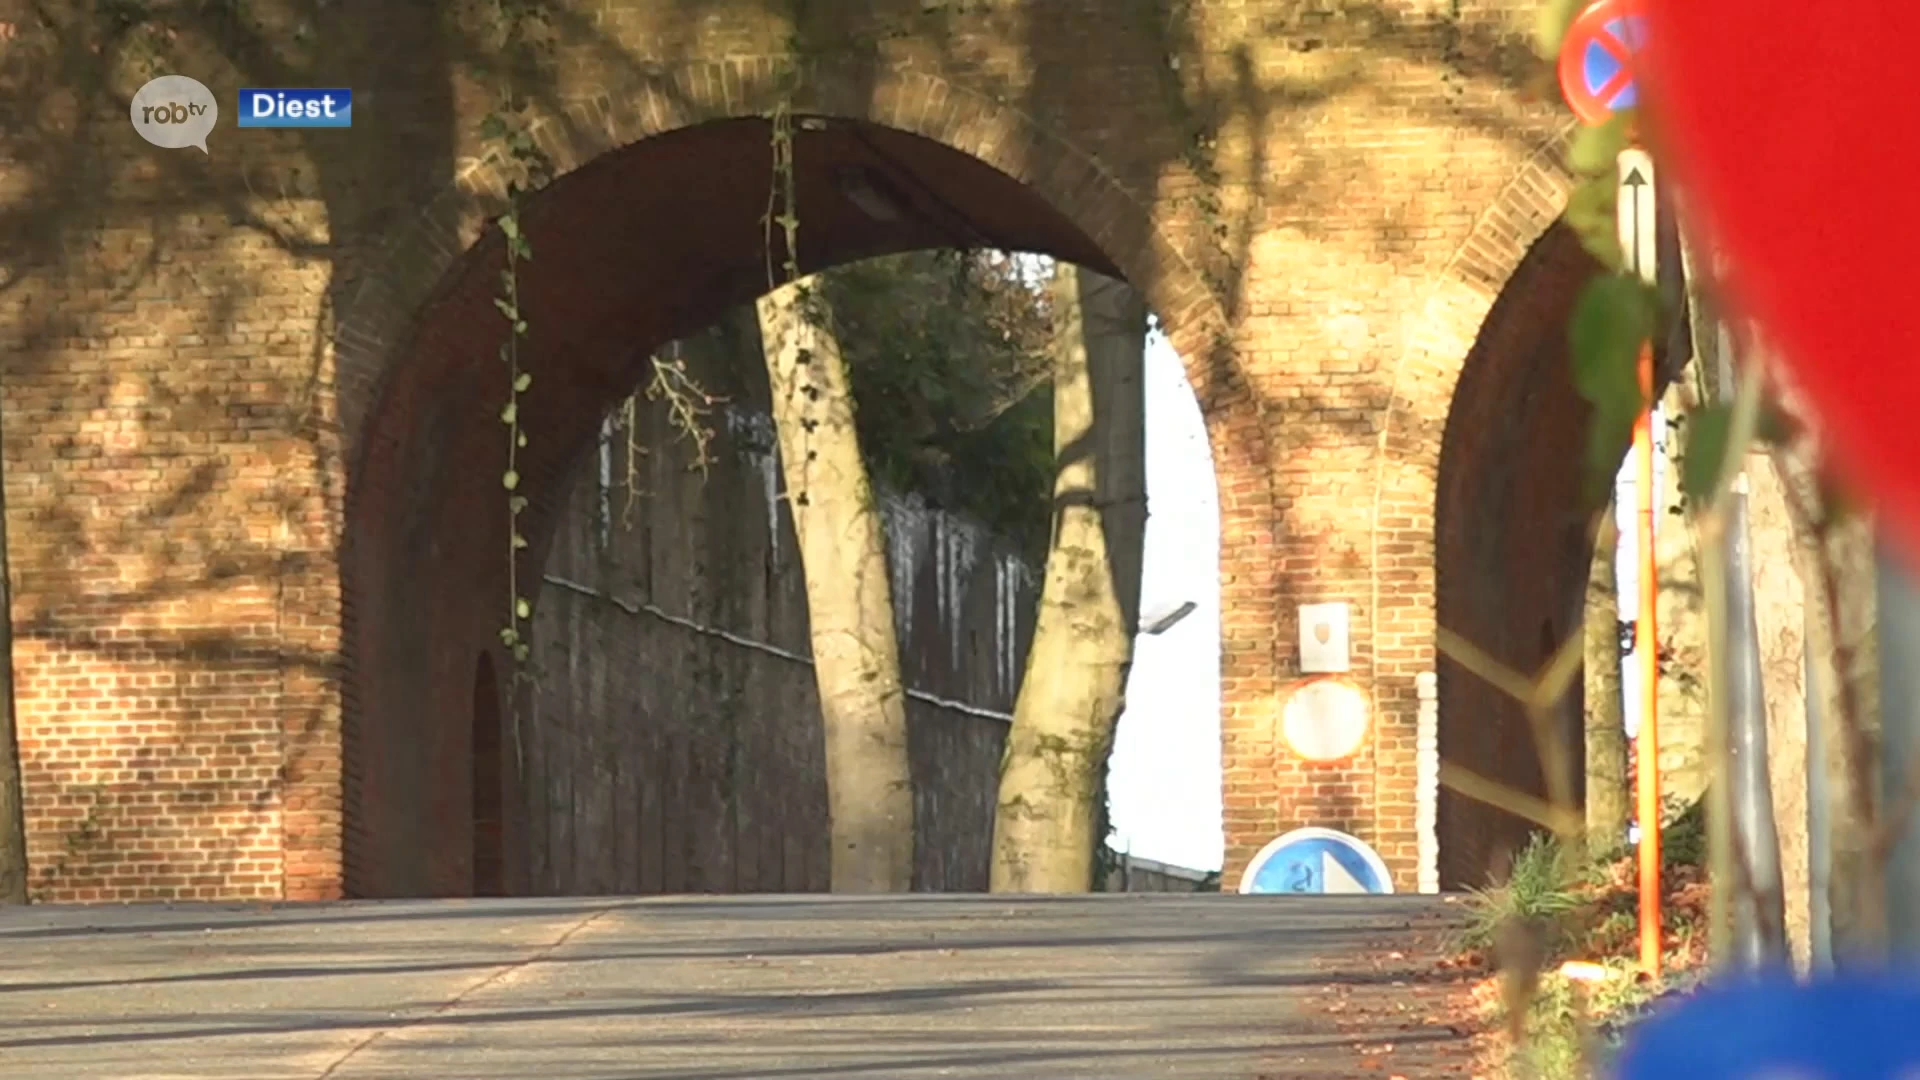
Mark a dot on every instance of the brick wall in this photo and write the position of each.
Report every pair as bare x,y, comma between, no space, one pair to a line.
253,460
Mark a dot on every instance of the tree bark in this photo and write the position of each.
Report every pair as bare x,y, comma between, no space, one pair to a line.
1779,609
1835,559
1053,777
1846,676
856,652
1609,803
1681,616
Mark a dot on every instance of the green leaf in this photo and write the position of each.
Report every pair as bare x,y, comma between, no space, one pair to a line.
519,542
510,480
1604,443
522,609
1614,316
521,651
1706,455
509,635
520,384
520,440
511,413
1590,214
1595,149
1550,29
506,308
517,504
510,226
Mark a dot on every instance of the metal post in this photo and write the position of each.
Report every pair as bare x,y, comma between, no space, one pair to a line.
1899,628
1759,910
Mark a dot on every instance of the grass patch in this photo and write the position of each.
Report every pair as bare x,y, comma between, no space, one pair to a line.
1583,906
1544,886
1574,1028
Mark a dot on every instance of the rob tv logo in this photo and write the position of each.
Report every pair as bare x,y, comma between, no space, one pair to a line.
326,108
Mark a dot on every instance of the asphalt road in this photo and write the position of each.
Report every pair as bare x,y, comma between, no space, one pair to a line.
728,988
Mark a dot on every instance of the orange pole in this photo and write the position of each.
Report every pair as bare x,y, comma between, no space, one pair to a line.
1647,651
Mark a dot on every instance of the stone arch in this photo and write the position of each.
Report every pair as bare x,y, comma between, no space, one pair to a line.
417,436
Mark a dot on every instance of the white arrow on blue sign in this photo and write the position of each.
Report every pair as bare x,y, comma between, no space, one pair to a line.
1854,1026
1316,860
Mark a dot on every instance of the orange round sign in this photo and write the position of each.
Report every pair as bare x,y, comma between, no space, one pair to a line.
1325,720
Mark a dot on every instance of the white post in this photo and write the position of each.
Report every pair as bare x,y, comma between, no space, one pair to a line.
1426,809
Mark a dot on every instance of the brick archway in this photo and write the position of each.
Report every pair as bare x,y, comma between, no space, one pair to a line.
1515,454
1488,317
616,273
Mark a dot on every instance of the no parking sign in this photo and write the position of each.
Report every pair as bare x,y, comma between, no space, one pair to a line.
1597,60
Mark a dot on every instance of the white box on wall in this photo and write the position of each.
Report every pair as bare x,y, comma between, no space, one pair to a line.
1324,646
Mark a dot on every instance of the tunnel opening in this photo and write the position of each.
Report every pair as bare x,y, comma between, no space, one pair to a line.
1513,521
634,249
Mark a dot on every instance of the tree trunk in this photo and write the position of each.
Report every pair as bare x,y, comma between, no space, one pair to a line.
1609,803
1681,620
1779,612
13,812
856,654
1842,682
1846,675
1053,777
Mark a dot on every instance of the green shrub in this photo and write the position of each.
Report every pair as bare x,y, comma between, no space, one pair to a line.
1543,886
1683,840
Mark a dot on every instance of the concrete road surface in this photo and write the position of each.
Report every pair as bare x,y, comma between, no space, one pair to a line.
732,988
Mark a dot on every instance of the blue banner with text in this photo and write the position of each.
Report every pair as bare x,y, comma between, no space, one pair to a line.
323,108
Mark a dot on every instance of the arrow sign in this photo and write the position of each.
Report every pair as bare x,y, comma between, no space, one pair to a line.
1316,860
1634,213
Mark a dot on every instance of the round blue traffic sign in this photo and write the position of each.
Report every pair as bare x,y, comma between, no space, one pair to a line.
1316,860
1597,60
1855,1026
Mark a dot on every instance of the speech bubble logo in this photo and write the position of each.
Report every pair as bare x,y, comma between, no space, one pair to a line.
174,111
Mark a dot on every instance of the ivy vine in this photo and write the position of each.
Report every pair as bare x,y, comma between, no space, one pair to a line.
783,204
528,170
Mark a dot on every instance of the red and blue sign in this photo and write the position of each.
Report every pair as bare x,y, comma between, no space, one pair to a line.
1853,1026
1597,60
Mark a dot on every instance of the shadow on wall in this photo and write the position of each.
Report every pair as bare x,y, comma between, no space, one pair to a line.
673,742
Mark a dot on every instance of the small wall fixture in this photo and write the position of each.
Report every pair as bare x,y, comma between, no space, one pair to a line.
1324,720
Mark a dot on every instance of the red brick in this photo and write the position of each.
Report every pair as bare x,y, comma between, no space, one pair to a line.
226,612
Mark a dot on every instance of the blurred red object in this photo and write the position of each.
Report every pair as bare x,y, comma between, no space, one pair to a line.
1795,129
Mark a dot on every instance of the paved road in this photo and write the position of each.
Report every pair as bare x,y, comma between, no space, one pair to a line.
734,988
